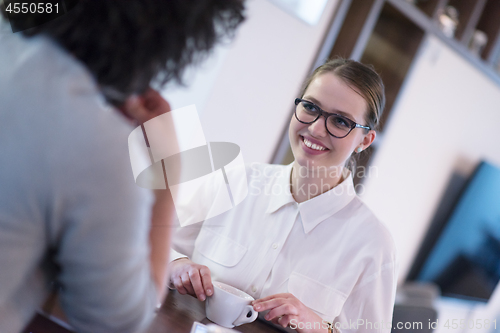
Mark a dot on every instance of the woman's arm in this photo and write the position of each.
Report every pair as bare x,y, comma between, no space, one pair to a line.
141,109
369,307
159,237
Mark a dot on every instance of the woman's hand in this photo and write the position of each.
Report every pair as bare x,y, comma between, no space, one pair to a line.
190,278
286,309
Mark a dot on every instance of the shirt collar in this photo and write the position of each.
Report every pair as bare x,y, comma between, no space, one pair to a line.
317,209
282,197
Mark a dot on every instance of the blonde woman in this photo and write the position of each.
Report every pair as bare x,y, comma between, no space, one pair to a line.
303,243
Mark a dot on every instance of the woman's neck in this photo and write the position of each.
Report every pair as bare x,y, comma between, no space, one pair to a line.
309,182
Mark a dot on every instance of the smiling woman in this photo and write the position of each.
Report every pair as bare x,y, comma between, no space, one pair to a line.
310,252
353,94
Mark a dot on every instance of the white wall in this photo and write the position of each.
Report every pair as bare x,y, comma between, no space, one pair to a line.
446,120
199,80
246,96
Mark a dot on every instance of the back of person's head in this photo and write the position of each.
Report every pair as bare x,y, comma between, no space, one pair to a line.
128,44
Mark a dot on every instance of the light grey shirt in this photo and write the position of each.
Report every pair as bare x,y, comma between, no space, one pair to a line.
66,181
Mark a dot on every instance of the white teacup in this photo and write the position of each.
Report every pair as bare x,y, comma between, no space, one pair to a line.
229,306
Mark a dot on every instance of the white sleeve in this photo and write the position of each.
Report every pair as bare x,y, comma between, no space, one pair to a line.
174,255
370,305
183,239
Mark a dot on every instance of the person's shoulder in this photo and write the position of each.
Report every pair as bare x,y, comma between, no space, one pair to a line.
373,232
59,104
44,82
38,59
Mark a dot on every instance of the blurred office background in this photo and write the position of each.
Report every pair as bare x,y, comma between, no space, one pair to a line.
440,62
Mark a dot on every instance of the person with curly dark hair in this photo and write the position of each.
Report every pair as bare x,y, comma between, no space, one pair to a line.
69,208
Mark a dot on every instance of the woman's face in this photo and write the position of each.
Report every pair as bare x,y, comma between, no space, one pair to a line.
332,95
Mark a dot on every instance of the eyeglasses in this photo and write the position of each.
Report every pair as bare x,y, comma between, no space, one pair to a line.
337,125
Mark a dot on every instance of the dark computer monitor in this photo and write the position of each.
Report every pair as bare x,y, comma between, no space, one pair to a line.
463,258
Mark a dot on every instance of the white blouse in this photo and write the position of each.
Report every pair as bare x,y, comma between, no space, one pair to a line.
331,252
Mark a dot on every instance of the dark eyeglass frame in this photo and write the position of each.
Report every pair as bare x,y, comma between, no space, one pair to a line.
352,124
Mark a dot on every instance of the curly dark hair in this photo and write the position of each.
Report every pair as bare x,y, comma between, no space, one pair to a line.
128,44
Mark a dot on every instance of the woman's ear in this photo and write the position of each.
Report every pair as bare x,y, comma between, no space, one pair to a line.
147,106
368,139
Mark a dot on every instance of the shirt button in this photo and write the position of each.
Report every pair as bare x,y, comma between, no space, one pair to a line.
275,246
254,289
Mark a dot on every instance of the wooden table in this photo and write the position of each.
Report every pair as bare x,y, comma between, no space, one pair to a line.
178,313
